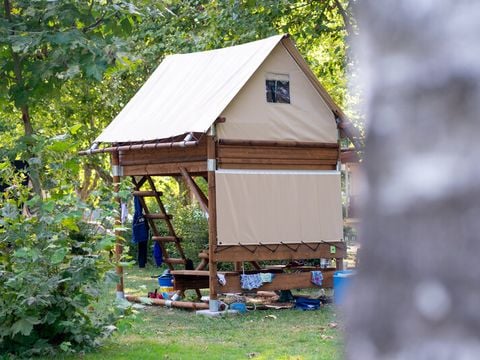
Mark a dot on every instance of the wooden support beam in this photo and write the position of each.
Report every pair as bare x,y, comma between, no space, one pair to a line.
165,155
276,143
277,153
200,196
298,162
118,235
300,280
185,280
157,216
165,238
174,261
224,253
194,168
339,263
212,218
146,193
137,160
255,166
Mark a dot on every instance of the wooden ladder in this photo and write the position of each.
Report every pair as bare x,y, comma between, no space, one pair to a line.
161,215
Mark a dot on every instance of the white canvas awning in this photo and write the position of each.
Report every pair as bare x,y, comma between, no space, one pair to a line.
187,92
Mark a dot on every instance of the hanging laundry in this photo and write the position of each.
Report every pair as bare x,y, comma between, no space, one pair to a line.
317,278
266,277
124,213
250,281
140,232
157,254
221,279
142,253
139,223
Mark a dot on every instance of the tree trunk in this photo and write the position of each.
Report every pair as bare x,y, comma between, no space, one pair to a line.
417,293
33,172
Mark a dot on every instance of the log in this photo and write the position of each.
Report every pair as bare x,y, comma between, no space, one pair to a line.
170,303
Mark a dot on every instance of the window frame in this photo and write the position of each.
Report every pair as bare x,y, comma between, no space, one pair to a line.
273,95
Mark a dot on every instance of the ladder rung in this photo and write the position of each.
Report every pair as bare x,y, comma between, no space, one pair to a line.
174,261
147,193
158,216
165,238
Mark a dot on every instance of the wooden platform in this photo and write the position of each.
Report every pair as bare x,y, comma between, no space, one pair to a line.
195,279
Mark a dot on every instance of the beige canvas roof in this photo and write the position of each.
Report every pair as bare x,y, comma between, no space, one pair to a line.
188,92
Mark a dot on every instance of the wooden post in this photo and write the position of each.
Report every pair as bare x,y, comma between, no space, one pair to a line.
118,235
192,185
212,212
339,263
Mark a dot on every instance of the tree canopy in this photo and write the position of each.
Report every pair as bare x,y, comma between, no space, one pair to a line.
67,67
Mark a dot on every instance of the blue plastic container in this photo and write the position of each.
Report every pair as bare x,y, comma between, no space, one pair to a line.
240,307
341,282
166,283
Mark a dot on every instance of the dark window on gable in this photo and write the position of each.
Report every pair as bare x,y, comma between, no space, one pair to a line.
278,91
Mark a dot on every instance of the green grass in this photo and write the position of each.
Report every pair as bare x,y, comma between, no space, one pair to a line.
161,333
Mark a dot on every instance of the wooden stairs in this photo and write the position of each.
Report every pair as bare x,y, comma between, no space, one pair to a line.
152,219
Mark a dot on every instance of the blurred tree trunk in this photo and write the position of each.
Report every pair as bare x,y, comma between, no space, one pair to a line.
417,293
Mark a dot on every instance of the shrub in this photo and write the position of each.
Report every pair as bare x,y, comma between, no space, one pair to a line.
50,275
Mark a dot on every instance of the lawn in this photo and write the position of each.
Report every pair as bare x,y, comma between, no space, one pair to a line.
160,333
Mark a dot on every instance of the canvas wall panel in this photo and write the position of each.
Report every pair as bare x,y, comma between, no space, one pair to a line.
278,206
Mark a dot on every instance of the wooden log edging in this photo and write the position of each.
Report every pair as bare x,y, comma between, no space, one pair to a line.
168,303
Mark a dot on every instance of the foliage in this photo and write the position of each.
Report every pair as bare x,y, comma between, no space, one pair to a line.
52,265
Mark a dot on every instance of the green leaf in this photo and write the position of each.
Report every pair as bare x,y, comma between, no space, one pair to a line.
60,146
58,256
71,72
94,71
24,326
74,129
23,253
65,346
70,223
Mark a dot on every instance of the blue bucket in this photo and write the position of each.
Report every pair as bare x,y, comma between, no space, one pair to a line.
341,282
166,283
240,307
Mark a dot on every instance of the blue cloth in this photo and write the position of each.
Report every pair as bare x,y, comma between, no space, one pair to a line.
157,254
302,303
317,278
139,223
250,282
